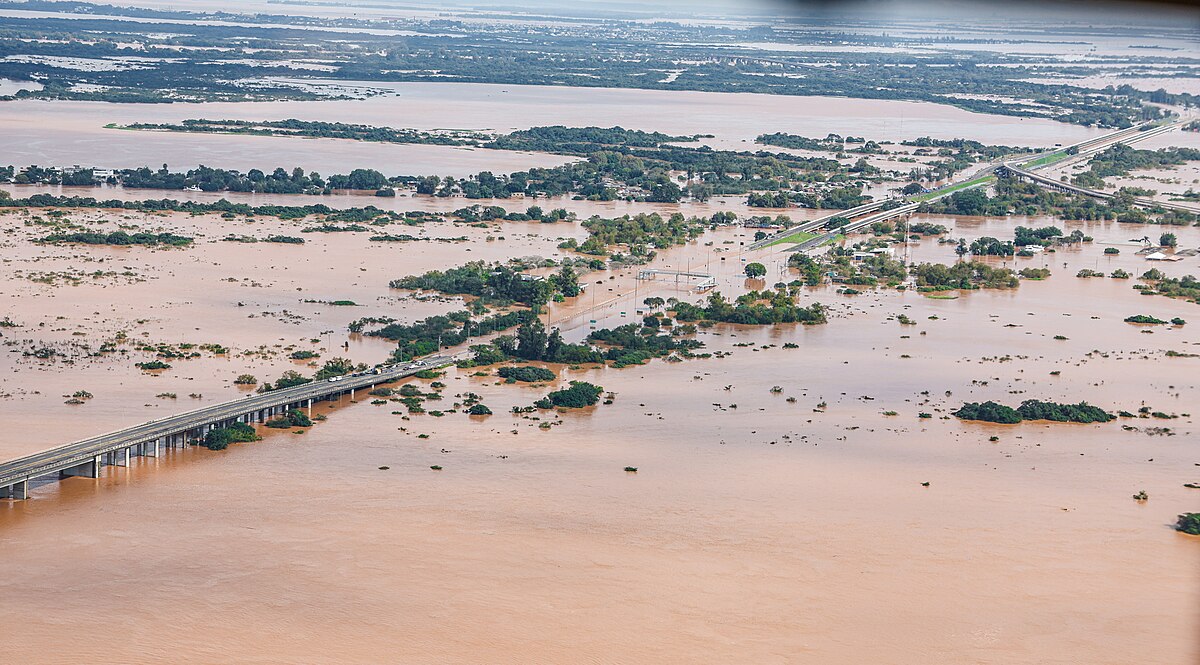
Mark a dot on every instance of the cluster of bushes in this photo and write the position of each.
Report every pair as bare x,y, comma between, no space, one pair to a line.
1189,523
1026,236
579,395
424,336
293,418
1186,287
526,374
632,344
989,246
532,342
640,230
494,283
752,308
1033,409
1144,318
220,438
927,229
965,275
286,380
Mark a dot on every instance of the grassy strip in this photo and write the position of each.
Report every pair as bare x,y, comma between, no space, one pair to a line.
798,237
1045,159
954,188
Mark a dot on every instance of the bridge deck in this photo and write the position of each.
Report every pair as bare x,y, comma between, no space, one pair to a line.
248,408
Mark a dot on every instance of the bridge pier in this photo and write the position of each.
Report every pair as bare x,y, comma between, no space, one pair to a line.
89,469
118,457
18,491
148,449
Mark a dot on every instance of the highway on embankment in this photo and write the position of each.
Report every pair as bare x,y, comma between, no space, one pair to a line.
878,211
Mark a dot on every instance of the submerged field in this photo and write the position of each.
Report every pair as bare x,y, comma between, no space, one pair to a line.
790,513
782,480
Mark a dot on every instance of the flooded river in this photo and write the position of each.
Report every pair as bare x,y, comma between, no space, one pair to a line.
757,528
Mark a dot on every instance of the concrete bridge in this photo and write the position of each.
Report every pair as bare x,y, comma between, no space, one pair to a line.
88,457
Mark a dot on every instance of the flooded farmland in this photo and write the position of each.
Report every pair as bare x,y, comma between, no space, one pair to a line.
787,520
676,438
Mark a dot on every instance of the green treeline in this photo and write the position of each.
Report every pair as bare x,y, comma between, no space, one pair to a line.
316,129
831,143
836,198
223,206
582,140
119,238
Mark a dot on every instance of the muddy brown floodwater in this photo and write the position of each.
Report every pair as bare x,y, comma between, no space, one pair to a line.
773,531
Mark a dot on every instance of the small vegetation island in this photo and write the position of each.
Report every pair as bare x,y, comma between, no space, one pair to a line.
1033,409
1189,523
526,374
579,395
